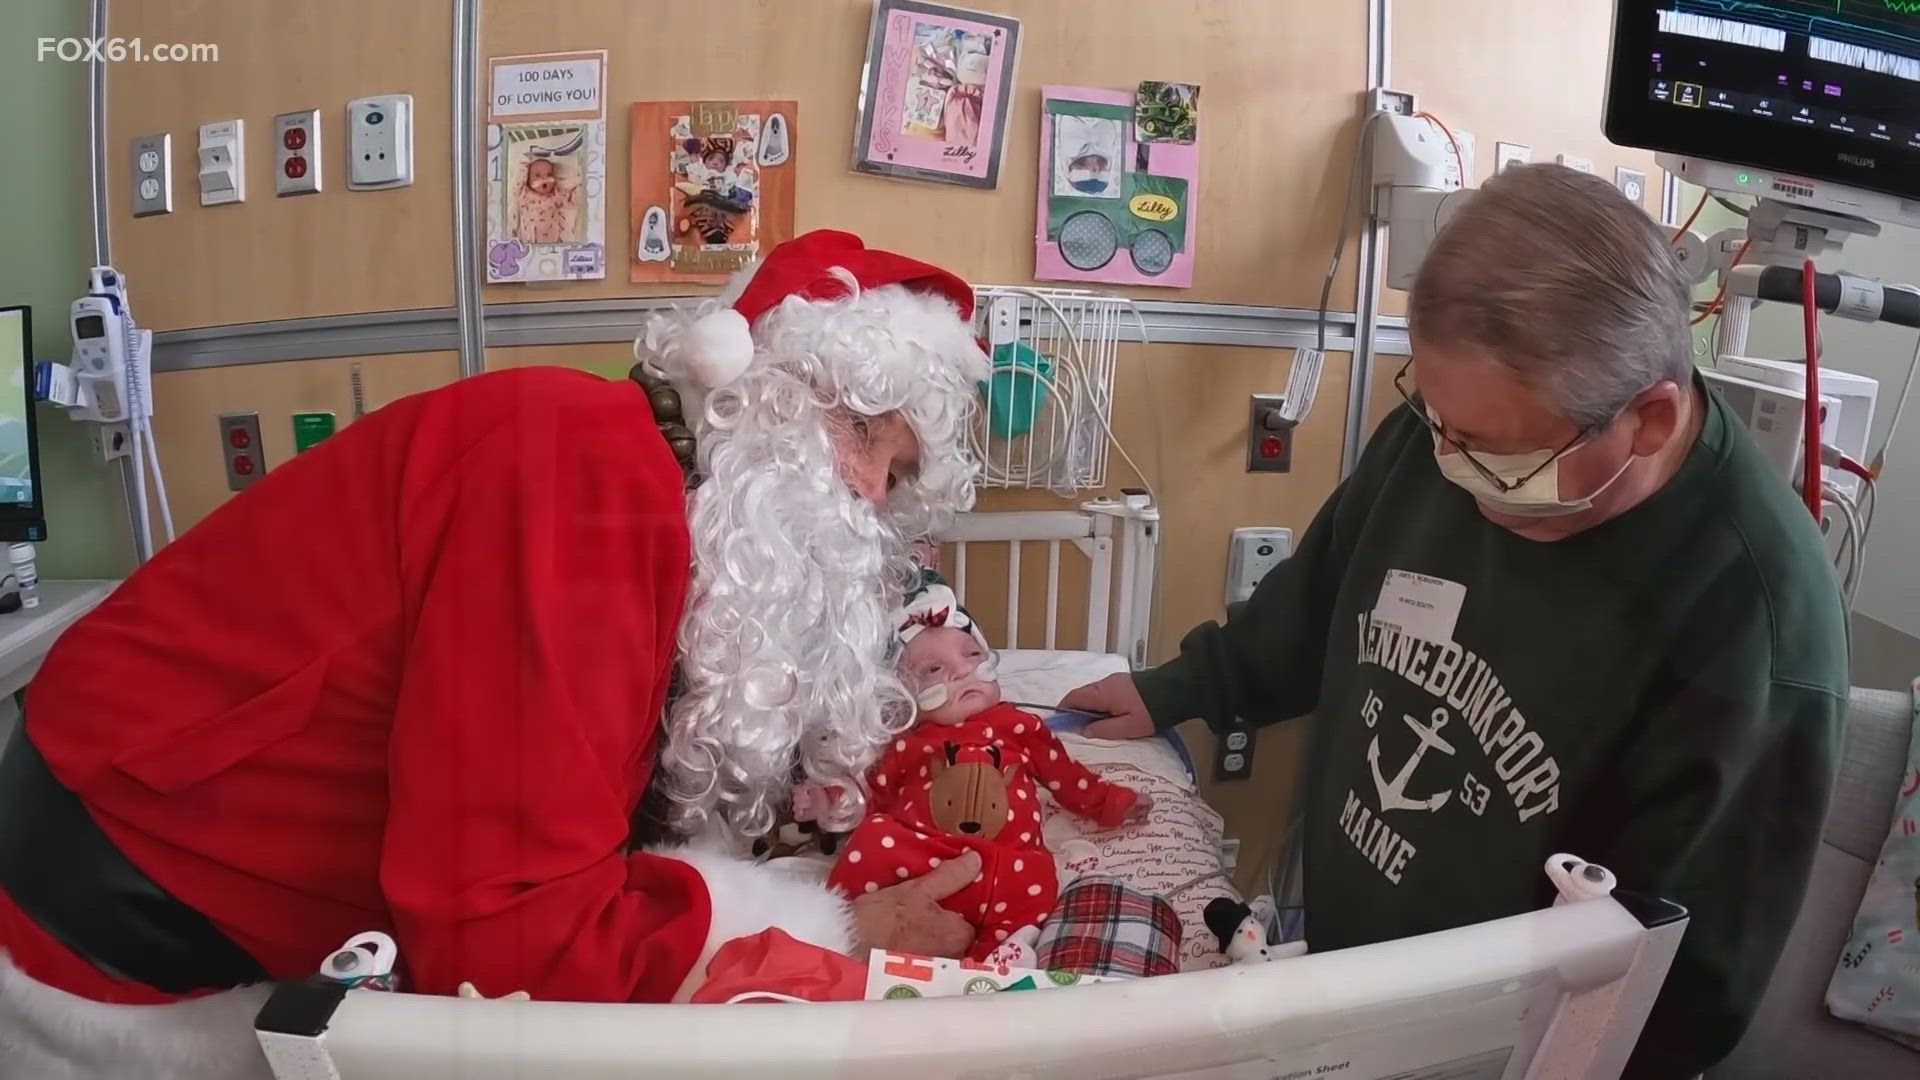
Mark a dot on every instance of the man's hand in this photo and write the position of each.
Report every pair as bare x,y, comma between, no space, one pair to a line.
1115,698
908,917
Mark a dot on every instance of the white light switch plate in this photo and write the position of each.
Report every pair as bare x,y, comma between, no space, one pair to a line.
1579,163
380,142
223,162
296,153
153,175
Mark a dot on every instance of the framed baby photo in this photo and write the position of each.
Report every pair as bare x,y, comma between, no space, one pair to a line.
546,167
935,92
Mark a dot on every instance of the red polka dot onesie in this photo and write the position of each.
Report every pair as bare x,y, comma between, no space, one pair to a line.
941,790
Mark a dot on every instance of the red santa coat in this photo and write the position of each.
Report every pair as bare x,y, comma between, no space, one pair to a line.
913,826
410,681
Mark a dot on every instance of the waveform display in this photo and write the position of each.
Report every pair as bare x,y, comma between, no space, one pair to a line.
1882,23
1727,30
1860,56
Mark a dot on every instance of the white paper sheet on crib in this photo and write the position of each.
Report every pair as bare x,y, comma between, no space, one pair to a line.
1044,676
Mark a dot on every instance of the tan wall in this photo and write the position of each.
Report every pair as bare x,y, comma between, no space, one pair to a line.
333,253
1513,71
1278,78
188,403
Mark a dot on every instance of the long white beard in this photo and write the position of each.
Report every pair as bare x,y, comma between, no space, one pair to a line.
784,648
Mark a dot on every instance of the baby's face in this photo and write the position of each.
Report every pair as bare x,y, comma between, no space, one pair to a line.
540,178
949,658
716,161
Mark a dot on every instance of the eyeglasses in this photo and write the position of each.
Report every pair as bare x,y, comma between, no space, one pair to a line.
1505,486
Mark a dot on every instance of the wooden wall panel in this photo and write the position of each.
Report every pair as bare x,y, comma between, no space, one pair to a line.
1514,71
280,258
188,403
1280,83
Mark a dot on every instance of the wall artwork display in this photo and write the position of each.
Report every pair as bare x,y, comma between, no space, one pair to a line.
546,168
1113,207
935,93
711,186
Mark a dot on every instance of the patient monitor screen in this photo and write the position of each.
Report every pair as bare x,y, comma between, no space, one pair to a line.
16,398
1827,89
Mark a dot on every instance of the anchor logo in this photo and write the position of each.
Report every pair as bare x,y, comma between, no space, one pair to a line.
1393,794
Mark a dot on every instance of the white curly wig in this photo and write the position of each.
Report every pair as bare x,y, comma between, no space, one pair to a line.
786,638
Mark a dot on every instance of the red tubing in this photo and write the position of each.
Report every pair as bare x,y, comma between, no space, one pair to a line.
1810,312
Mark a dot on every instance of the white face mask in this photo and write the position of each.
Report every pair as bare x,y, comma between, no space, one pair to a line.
1538,497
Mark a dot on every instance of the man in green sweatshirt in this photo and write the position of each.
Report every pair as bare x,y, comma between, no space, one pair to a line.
1562,604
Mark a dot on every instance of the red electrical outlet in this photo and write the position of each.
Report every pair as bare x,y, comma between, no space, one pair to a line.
297,152
240,444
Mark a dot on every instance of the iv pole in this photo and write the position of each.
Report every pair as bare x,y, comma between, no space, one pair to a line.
103,245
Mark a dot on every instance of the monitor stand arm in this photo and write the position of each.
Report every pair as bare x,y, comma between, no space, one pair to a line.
1785,234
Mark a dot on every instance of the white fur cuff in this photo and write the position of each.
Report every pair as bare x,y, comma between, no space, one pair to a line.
747,898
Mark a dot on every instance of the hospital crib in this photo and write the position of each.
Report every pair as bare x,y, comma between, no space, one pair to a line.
1561,992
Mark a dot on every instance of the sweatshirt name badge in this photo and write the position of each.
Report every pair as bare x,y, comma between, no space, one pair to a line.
1420,606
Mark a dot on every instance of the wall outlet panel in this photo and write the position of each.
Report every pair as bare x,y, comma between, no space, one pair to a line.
1251,554
1233,754
1468,160
380,142
1632,183
153,175
1269,447
240,447
1399,102
296,153
1507,154
223,163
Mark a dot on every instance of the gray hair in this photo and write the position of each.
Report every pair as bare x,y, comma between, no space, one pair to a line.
1563,281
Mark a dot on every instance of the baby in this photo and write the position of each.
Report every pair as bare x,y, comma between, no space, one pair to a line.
965,779
544,207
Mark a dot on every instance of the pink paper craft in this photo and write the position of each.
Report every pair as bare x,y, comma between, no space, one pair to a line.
1163,159
968,148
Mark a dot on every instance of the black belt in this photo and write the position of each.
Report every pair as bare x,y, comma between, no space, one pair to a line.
74,884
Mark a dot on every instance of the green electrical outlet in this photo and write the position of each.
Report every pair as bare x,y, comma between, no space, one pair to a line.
309,428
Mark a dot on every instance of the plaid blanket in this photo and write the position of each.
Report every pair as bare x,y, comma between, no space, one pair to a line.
1102,927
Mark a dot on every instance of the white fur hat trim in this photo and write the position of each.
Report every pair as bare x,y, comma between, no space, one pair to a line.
718,347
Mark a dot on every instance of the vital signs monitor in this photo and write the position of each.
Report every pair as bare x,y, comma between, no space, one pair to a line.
22,507
1807,92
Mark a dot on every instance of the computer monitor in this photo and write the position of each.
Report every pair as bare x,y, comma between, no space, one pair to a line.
1826,91
23,513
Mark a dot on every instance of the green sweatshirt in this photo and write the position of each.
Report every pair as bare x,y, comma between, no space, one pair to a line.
1662,695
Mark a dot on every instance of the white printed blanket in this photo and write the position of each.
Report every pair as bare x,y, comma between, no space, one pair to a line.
1877,981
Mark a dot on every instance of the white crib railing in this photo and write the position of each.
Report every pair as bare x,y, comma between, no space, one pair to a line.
1119,613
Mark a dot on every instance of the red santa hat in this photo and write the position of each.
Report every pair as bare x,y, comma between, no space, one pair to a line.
718,347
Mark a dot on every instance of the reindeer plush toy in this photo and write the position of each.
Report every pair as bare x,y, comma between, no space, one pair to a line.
965,779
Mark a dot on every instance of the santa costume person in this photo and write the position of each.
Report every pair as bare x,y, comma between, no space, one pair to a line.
416,680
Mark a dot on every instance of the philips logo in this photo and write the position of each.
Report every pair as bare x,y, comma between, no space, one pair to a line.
1860,160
